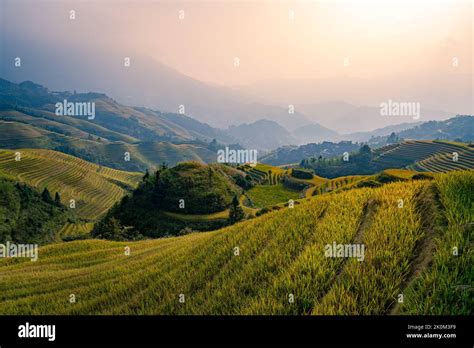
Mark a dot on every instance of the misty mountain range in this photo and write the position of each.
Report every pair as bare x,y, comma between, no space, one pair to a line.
459,128
27,114
343,105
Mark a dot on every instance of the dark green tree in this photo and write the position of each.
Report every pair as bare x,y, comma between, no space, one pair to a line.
147,175
236,212
46,196
57,199
109,228
157,177
158,192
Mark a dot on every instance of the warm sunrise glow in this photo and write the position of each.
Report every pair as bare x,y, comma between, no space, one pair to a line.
297,39
200,159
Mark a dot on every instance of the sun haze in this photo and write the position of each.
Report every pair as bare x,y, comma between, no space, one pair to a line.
285,40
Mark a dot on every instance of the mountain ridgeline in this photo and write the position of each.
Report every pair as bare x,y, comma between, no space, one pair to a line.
117,136
459,128
137,138
262,134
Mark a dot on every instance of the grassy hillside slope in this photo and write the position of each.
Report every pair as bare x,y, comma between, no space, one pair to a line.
28,120
112,121
190,195
279,257
43,133
94,188
29,216
267,195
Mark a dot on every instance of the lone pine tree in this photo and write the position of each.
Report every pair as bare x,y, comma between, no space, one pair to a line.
46,196
236,212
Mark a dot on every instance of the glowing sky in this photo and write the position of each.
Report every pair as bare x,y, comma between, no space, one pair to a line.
294,39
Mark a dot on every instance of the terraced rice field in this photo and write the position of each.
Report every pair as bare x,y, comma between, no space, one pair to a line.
74,230
337,183
264,174
431,156
220,215
315,181
273,264
443,162
94,188
448,283
401,173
